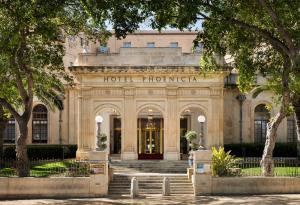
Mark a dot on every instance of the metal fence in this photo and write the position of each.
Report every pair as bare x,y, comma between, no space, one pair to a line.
288,167
47,168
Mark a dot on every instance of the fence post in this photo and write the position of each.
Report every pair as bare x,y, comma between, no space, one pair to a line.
166,186
134,189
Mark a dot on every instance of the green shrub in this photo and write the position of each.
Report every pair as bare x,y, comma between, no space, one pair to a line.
101,142
223,162
191,136
6,172
256,149
43,151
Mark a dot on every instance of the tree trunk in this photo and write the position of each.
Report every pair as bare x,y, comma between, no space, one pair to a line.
297,122
21,150
267,163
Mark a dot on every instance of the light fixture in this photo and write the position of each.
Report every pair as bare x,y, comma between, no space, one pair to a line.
99,119
201,118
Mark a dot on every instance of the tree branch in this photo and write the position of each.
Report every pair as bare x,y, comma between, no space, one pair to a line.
20,87
10,108
277,43
284,34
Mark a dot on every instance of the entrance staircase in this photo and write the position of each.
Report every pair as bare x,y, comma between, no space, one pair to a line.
150,175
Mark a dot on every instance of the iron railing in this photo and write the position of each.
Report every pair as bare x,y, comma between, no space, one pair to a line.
47,168
287,167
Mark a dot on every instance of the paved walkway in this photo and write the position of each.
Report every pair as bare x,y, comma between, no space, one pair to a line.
218,200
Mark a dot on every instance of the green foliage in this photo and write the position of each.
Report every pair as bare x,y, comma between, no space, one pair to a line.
256,149
43,151
6,172
191,136
101,142
222,162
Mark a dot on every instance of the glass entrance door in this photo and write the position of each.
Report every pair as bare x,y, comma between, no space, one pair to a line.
150,138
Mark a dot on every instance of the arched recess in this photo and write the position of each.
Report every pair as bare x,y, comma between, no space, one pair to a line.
261,119
150,127
39,124
111,126
188,117
151,106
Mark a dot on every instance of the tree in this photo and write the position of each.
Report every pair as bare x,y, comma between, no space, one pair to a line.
262,36
32,34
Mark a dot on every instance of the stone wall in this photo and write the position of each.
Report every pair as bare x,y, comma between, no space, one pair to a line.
58,187
255,185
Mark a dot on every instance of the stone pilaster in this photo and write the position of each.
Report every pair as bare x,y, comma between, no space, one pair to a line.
129,143
172,126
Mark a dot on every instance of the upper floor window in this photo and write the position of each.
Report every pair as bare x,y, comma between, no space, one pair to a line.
39,124
103,48
261,119
10,131
81,42
198,48
174,44
291,129
150,45
126,44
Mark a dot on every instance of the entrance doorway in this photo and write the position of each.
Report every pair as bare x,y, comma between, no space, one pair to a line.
150,135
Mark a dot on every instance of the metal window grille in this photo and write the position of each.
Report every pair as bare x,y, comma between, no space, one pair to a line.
40,124
10,131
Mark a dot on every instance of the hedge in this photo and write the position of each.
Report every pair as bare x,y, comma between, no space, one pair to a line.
43,151
256,149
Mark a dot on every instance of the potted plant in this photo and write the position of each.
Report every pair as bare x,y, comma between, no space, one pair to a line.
101,142
191,136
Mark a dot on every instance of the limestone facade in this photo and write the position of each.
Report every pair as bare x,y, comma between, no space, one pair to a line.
131,86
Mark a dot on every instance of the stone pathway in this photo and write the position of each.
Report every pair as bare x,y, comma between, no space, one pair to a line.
293,199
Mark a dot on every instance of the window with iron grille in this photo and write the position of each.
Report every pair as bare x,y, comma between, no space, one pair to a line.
261,119
291,129
40,124
10,131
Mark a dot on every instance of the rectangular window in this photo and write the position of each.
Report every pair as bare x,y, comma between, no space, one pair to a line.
81,42
260,130
291,130
10,132
126,44
150,45
174,44
198,48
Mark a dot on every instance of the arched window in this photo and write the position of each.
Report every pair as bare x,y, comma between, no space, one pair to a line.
261,118
40,124
10,131
291,129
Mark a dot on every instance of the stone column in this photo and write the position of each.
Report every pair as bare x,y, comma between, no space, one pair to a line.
172,126
129,140
86,128
215,119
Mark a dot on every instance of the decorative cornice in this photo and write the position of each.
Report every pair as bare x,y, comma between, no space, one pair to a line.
139,70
